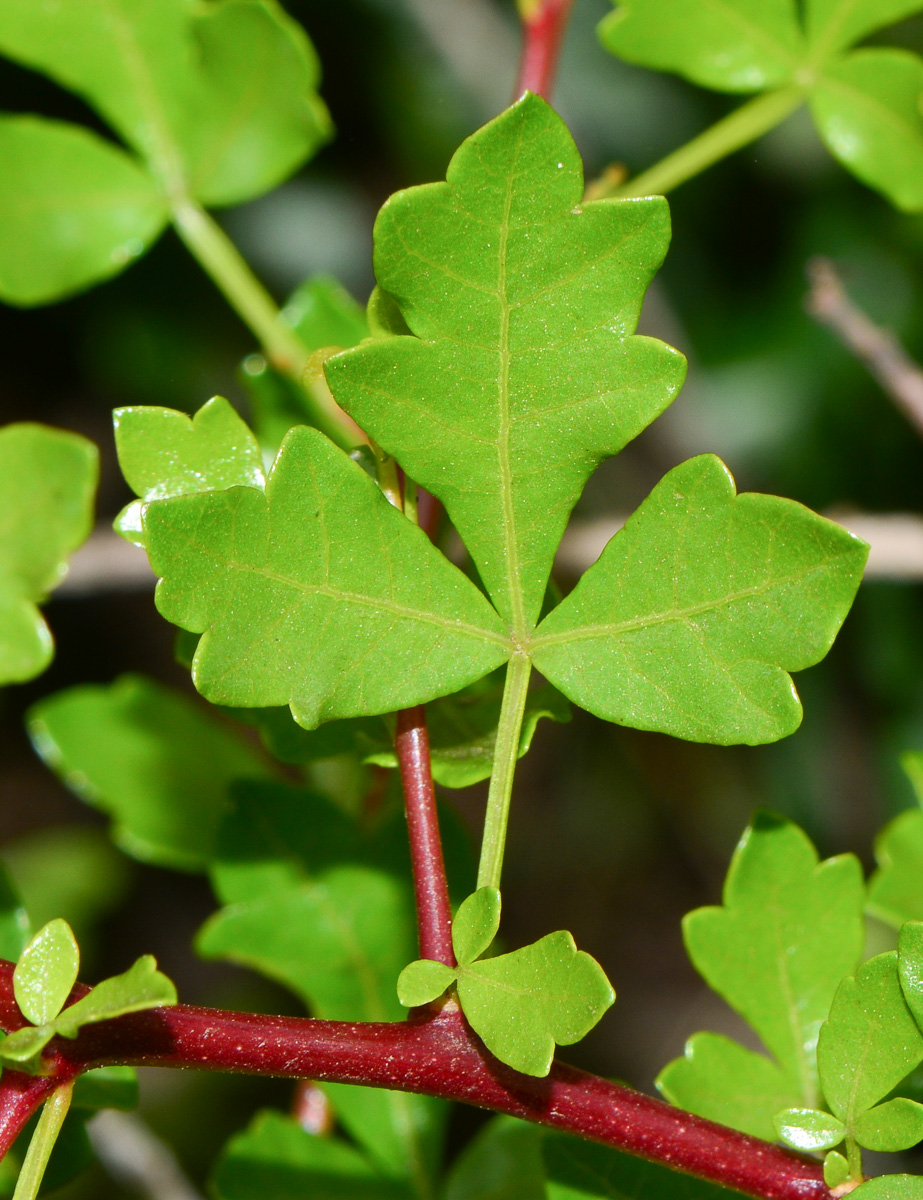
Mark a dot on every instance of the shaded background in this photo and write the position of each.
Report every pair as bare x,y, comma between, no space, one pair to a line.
615,833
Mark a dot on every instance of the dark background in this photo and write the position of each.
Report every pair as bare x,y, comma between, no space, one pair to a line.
615,833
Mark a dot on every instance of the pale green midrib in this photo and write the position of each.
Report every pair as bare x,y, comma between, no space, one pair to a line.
806,1077
851,1113
820,50
586,632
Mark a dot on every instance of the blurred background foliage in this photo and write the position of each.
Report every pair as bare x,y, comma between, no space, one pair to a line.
615,833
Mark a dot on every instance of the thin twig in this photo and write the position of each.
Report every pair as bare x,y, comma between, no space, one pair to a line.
544,23
877,348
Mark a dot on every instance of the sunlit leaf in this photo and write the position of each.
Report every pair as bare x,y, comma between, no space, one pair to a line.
46,972
141,987
835,24
896,888
892,1126
890,1187
475,925
809,1130
422,981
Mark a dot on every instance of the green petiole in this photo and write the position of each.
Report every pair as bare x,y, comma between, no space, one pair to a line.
42,1143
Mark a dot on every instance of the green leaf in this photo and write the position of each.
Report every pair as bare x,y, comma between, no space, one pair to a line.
422,981
321,560
892,1126
46,972
696,610
895,890
870,1041
475,925
809,1130
867,109
728,45
523,374
74,209
835,24
14,920
164,453
275,1157
890,1187
107,1087
722,1080
47,481
141,987
157,762
836,1169
579,1170
502,1162
788,932
520,1004
23,1047
219,99
910,950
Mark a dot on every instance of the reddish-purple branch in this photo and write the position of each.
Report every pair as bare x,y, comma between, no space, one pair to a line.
436,1056
543,32
20,1096
434,916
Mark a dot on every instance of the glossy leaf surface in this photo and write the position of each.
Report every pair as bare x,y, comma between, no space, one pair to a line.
870,1041
896,888
141,987
730,45
321,562
47,482
789,930
156,762
422,981
46,972
699,606
809,1130
74,209
867,109
890,1187
835,24
523,301
164,453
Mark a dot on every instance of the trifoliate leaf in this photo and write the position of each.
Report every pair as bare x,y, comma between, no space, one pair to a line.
890,1187
867,109
220,99
892,1126
835,24
158,763
47,481
74,209
321,562
46,972
520,1004
788,932
164,453
422,981
141,987
475,925
729,45
720,1079
502,1162
696,610
836,1169
896,888
523,374
870,1041
809,1130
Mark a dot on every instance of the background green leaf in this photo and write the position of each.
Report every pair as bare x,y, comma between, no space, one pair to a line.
74,209
523,357
756,586
835,24
322,560
151,758
502,1162
46,972
47,482
14,920
896,888
579,1170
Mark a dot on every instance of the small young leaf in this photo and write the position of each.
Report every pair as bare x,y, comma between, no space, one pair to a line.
722,1080
321,560
892,1126
520,1004
46,972
807,1129
523,358
836,1169
890,1187
47,481
502,1162
276,1158
141,987
74,209
729,45
107,1087
698,608
866,107
896,888
870,1041
164,453
158,763
835,24
475,925
23,1047
423,981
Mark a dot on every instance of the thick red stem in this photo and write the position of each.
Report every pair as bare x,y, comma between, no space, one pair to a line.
434,916
543,32
437,1056
21,1096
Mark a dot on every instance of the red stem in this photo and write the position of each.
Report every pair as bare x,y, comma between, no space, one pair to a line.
542,37
434,916
436,1056
21,1096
